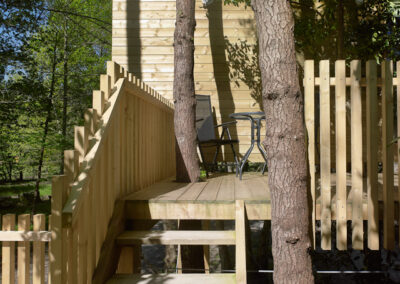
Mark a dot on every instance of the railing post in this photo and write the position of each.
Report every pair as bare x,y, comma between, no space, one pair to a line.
309,112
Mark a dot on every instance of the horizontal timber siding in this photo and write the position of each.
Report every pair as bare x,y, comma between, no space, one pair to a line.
143,36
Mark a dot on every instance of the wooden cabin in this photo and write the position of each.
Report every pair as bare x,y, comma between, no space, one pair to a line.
119,178
142,42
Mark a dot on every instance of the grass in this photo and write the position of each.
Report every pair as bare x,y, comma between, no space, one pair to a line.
20,188
17,204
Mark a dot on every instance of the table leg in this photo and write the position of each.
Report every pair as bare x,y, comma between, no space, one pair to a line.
244,160
262,151
246,156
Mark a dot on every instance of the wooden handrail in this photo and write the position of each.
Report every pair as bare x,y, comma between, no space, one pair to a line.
134,87
126,144
77,188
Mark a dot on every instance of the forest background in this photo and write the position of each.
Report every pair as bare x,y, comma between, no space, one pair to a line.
53,51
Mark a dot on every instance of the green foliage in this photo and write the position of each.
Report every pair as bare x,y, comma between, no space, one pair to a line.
237,2
369,33
33,77
18,19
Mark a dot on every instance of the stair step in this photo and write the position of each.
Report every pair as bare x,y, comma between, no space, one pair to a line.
213,278
177,238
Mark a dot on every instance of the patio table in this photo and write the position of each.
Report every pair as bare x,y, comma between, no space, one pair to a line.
255,119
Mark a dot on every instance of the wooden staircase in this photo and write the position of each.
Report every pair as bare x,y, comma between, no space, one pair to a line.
135,238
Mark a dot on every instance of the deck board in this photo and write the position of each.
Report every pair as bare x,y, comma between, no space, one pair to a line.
174,194
193,193
169,200
227,189
221,188
210,191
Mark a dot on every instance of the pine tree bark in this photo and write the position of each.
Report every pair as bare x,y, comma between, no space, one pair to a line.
284,142
187,164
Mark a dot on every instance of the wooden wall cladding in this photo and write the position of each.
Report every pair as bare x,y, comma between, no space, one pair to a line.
142,42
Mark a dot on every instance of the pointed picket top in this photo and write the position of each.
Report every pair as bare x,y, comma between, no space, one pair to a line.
113,70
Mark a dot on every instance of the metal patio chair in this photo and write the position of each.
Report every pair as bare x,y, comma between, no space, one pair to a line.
206,132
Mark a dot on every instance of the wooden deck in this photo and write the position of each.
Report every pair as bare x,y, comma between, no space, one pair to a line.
213,199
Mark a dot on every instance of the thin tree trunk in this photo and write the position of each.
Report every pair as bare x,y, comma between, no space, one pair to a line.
284,142
187,164
45,129
340,30
65,97
10,170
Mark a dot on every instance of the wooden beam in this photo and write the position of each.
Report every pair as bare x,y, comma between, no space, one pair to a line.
177,237
22,236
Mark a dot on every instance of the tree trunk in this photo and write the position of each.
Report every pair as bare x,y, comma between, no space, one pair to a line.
45,129
187,164
65,98
340,29
284,142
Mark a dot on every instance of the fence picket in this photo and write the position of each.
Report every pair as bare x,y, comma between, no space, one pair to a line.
39,224
309,109
24,253
82,249
372,156
325,155
340,101
91,245
387,153
8,252
81,140
356,156
56,250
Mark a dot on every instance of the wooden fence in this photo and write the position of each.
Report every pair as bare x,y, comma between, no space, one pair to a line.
16,241
126,144
344,194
